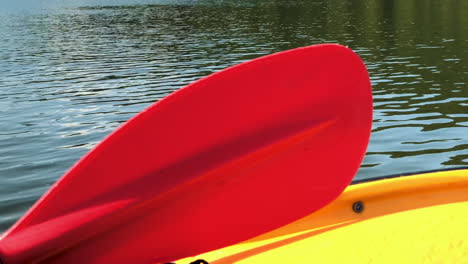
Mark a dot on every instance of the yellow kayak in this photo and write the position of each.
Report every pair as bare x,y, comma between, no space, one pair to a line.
422,218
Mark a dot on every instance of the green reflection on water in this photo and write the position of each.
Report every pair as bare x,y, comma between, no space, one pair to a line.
72,71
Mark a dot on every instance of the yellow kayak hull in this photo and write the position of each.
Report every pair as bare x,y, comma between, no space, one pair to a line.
413,219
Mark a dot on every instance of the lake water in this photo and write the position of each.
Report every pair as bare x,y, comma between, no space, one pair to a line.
72,71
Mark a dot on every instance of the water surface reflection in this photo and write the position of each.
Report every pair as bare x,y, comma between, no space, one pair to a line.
72,72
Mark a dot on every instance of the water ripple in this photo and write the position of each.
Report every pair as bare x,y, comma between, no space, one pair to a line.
71,74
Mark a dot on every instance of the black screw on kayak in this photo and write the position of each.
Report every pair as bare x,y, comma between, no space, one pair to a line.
199,261
358,207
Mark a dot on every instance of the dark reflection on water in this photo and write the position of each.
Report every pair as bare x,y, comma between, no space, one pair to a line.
72,72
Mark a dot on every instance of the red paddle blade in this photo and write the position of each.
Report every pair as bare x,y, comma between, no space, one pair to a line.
229,157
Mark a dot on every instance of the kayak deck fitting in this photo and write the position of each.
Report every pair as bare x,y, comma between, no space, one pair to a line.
420,218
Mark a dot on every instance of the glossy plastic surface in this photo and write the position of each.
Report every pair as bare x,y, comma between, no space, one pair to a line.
412,219
229,157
